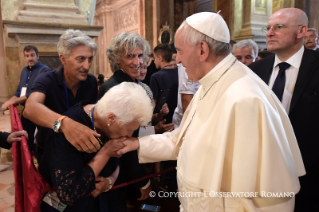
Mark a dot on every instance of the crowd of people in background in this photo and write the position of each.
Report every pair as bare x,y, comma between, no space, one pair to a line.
206,103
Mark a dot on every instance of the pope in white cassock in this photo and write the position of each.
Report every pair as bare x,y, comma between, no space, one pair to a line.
235,135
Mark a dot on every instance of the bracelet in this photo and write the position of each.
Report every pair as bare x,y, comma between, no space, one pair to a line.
110,184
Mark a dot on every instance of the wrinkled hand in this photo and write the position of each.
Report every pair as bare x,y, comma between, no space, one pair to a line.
145,193
164,110
101,185
130,144
16,136
80,136
161,127
113,146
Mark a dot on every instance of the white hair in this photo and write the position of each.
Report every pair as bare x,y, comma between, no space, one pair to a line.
128,101
193,37
313,29
72,38
247,43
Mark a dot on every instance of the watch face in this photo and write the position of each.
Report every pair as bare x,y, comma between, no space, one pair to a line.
56,125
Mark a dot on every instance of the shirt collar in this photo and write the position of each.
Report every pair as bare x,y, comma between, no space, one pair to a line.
294,60
120,73
207,79
35,66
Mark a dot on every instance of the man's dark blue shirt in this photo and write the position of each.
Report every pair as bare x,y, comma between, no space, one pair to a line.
58,97
30,73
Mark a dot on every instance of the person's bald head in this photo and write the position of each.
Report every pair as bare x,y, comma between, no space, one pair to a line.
286,29
293,15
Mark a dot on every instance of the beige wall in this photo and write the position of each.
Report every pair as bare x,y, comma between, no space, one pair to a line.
10,8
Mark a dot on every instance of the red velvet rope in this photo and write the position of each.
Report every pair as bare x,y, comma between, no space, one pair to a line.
30,187
142,178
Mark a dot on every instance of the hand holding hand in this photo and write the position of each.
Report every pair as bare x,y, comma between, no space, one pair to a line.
130,144
16,136
113,146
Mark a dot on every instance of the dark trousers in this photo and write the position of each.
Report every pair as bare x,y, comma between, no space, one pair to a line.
308,197
169,178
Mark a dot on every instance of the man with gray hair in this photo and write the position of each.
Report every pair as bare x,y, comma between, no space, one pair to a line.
235,147
55,92
311,39
246,51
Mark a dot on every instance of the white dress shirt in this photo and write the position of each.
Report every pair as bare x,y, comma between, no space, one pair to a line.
291,76
185,86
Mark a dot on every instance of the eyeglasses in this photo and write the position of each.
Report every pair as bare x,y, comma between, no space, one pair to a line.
276,28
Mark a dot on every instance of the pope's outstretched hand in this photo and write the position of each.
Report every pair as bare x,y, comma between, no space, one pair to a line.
130,144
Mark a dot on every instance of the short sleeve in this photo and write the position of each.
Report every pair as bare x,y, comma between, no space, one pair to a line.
42,83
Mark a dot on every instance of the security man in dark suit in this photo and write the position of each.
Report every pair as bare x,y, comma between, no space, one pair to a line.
293,75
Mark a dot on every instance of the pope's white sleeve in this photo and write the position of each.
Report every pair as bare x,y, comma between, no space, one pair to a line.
160,147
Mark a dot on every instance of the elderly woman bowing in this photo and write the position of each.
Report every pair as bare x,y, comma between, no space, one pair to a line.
79,177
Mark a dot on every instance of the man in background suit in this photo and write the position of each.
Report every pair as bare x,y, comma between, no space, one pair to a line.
311,39
300,92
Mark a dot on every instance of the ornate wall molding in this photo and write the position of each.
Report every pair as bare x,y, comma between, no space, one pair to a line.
125,17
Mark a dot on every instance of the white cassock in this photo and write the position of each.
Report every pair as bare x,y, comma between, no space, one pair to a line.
234,137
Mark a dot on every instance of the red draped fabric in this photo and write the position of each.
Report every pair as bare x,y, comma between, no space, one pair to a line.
30,186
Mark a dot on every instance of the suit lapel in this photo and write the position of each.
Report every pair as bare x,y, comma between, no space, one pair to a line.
304,75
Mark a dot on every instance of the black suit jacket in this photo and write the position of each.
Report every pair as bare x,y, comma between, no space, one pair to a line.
3,140
304,107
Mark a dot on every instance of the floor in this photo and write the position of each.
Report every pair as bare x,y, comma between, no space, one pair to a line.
6,187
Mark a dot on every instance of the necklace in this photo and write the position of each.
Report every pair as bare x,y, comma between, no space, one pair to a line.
91,115
200,98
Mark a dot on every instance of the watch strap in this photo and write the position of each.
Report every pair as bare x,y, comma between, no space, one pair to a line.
61,118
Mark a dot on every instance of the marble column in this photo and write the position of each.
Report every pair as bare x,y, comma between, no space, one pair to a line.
3,70
255,15
50,11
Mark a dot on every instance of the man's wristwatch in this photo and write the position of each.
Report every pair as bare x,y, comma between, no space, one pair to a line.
57,124
110,184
